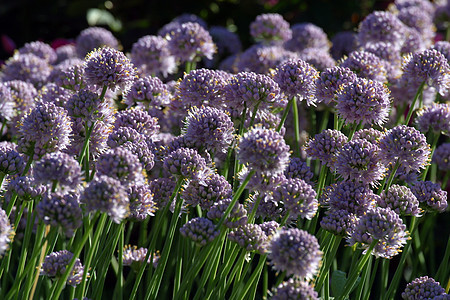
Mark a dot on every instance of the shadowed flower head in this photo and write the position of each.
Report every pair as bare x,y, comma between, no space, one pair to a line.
51,92
64,52
40,49
214,187
227,42
443,47
92,38
354,197
134,257
420,20
339,221
141,202
297,168
58,167
6,232
186,162
11,162
297,78
162,189
270,28
369,134
381,26
26,188
294,289
262,182
88,106
108,67
250,237
55,265
324,146
401,200
295,252
26,67
318,58
343,43
435,118
201,230
430,195
441,156
137,119
236,218
307,35
366,65
330,82
264,150
148,91
422,288
61,210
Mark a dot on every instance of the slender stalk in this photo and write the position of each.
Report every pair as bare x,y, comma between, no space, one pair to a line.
386,186
253,280
285,114
433,147
41,259
443,270
120,283
324,270
411,107
296,127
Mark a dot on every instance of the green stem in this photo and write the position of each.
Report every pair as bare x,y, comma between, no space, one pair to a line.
285,114
411,107
390,179
433,147
384,277
120,283
253,279
296,127
443,270
252,120
330,255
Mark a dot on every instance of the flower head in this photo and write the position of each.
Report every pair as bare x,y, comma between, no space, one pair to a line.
261,58
141,202
58,167
88,106
339,221
186,162
430,195
214,187
330,82
137,119
6,232
26,67
307,35
318,58
236,218
325,145
369,134
441,156
366,65
250,237
26,188
148,91
435,118
51,92
401,200
422,288
294,289
200,230
354,197
343,43
92,38
134,257
381,26
55,265
162,189
40,49
11,162
299,169
270,28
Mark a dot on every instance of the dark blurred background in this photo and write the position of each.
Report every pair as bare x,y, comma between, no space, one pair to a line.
50,21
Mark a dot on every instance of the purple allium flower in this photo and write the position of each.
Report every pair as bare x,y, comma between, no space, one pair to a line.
390,57
23,94
61,210
177,21
134,256
64,52
69,75
55,265
324,146
227,42
250,88
137,119
369,134
269,228
381,224
435,118
26,188
297,78
441,156
121,164
366,65
148,91
92,38
343,43
406,146
430,195
189,41
443,47
429,67
209,128
354,197
295,252
151,55
299,169
6,104
298,197
187,163
330,82
58,167
88,106
268,208
11,162
270,28
324,199
364,101
262,182
265,117
215,187
40,49
307,35
28,68
381,26
264,150
141,202
250,237
318,58
203,87
413,42
108,67
122,135
422,288
401,200
415,17
162,189
236,218
294,289
6,232
201,230
51,92
359,160
107,195
339,221
143,152
45,129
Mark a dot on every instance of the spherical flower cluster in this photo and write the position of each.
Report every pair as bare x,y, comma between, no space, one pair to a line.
443,47
297,78
189,41
148,91
269,28
422,288
268,208
201,230
420,20
88,106
381,224
354,197
45,129
65,52
187,163
137,119
264,150
122,135
295,252
430,195
40,49
6,103
151,55
441,156
6,232
343,43
110,68
299,169
359,160
28,68
177,21
141,202
213,188
250,237
390,57
366,65
294,289
307,35
369,134
236,218
269,228
381,26
298,197
60,210
58,167
26,188
162,189
401,200
429,67
324,146
107,195
203,87
227,42
55,265
23,95
330,82
11,162
51,92
339,221
435,118
134,257
250,88
121,164
318,58
70,75
209,128
406,146
262,182
92,38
